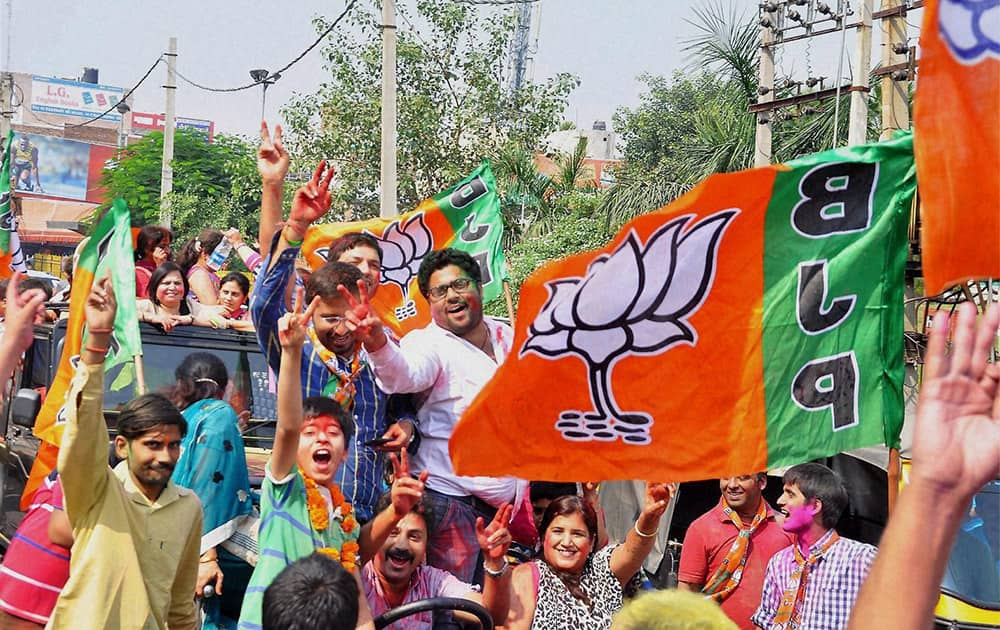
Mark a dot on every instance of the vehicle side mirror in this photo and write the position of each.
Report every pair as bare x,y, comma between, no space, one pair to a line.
25,407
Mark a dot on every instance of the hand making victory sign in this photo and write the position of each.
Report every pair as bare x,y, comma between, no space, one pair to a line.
272,158
406,490
292,326
494,539
361,319
311,202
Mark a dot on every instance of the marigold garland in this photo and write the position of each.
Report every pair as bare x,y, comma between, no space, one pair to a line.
319,516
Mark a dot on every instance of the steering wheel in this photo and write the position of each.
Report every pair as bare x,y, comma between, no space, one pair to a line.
433,604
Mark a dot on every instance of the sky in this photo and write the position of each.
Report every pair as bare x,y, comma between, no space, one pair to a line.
608,44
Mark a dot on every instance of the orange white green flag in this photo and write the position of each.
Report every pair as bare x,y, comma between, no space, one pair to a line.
108,249
755,322
465,216
11,256
957,141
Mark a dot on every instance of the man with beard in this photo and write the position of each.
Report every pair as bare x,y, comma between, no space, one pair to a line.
136,534
726,550
332,364
813,583
397,575
450,361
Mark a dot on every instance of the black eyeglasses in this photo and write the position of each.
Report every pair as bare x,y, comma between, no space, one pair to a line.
459,284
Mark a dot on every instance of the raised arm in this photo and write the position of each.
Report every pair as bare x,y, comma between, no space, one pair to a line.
494,541
272,164
291,333
406,492
22,310
956,450
627,559
311,202
83,454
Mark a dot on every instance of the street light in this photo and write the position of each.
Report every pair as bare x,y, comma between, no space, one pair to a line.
123,109
265,78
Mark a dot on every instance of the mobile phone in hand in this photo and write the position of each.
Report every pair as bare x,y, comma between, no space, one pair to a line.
378,442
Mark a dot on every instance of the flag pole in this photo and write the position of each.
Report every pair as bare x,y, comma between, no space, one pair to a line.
140,375
510,301
893,475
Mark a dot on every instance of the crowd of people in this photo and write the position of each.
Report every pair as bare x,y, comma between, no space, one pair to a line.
361,512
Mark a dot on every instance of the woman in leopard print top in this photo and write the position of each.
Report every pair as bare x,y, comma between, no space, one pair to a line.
573,586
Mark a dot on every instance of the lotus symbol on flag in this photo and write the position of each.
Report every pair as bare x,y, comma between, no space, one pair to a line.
403,247
635,301
971,28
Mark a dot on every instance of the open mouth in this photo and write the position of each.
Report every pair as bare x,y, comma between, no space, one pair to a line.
784,512
457,308
399,559
323,457
566,553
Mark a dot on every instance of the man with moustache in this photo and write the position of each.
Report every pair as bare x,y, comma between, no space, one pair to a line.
397,575
332,364
814,582
136,535
450,361
726,550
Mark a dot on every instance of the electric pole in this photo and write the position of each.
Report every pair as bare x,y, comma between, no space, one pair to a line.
895,71
857,128
167,172
520,46
387,206
765,90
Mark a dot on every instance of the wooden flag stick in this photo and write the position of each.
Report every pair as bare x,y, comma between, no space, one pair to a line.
510,301
893,476
140,375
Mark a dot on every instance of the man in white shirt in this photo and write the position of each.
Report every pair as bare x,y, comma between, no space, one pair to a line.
449,362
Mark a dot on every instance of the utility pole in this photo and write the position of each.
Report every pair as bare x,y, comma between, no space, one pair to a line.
167,173
762,139
895,81
520,46
387,206
857,128
6,85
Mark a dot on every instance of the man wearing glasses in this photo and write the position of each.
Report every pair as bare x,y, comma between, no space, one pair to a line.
450,361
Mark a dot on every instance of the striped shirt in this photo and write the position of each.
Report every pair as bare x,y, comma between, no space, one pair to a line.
425,582
832,586
360,478
34,568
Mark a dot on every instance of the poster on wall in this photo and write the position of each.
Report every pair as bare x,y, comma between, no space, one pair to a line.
54,167
73,98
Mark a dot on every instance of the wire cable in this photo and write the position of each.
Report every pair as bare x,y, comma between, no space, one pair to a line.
305,52
496,3
123,98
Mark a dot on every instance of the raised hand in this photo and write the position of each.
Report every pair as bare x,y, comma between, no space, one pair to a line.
292,326
956,442
657,498
234,237
494,539
406,491
360,317
312,200
272,158
23,310
100,307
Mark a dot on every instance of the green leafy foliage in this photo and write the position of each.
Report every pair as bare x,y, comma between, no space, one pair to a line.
453,104
215,184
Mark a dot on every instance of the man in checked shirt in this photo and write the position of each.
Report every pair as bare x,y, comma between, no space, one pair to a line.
813,583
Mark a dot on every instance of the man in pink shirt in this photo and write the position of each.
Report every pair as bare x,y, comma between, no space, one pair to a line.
726,550
397,574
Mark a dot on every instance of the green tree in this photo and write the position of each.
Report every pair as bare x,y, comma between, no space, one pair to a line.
215,184
454,107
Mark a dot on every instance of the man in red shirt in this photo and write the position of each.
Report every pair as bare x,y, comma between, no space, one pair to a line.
726,550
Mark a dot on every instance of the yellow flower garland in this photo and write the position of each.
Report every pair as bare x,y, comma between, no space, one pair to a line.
319,516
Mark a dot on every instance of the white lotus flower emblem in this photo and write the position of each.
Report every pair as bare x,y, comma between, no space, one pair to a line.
971,28
635,301
403,248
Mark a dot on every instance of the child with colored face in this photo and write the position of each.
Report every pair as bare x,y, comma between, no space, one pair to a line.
302,510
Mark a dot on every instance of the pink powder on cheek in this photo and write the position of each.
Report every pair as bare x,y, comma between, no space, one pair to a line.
799,519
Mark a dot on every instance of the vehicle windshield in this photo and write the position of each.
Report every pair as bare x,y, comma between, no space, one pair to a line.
249,386
973,572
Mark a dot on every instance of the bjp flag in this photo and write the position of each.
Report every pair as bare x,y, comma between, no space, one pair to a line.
465,217
957,142
755,322
11,256
109,249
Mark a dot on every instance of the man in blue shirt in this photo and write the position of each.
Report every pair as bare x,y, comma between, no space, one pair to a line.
333,364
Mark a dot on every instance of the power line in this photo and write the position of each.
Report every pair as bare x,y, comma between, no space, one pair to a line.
495,2
305,52
125,97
